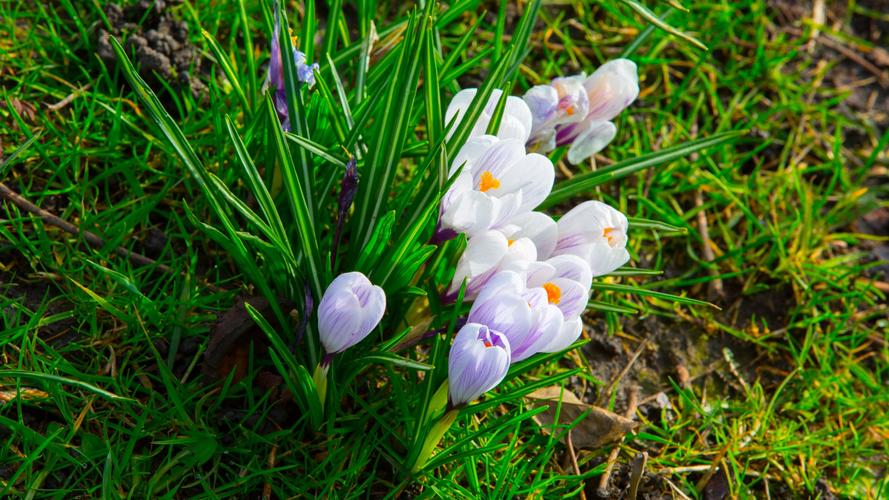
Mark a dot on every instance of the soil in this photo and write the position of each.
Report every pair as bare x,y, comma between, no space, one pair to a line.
159,42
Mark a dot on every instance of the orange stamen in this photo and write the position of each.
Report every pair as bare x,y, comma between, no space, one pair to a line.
488,181
570,110
607,234
488,344
553,293
510,242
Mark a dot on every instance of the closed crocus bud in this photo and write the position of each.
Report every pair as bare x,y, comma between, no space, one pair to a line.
498,181
478,361
350,308
595,232
487,254
515,123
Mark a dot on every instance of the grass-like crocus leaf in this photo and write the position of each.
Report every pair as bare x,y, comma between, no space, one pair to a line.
183,149
295,375
299,205
586,182
227,68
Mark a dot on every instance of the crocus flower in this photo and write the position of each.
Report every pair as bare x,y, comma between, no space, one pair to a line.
595,232
478,361
515,122
485,255
563,101
566,280
498,181
351,307
524,315
275,78
562,116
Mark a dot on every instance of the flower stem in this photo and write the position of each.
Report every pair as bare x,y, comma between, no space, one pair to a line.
320,379
437,432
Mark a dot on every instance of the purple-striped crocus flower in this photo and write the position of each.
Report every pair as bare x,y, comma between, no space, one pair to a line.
478,361
578,110
498,181
351,307
304,72
595,232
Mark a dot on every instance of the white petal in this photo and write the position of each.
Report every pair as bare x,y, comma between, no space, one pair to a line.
457,107
611,88
539,228
542,101
595,136
339,319
604,259
517,120
570,332
573,268
372,310
469,154
534,176
469,212
574,297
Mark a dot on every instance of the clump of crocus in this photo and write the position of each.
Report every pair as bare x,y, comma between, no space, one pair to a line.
578,110
305,72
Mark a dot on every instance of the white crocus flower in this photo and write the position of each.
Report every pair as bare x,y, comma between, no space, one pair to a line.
515,122
485,255
498,181
578,110
595,232
610,89
561,102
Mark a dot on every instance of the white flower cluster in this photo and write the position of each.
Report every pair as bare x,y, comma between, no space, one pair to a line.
528,276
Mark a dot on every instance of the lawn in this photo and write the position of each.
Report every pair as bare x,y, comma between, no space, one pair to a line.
165,245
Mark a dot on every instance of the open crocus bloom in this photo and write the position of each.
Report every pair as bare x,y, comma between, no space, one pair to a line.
524,315
595,232
566,280
275,78
514,124
610,89
478,361
498,181
562,117
563,101
349,310
485,255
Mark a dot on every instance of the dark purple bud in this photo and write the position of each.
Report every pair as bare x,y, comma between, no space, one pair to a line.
348,188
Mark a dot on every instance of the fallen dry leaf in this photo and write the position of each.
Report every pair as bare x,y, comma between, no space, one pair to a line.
598,426
25,394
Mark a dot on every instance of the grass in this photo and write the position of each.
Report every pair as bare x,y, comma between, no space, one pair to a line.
102,391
